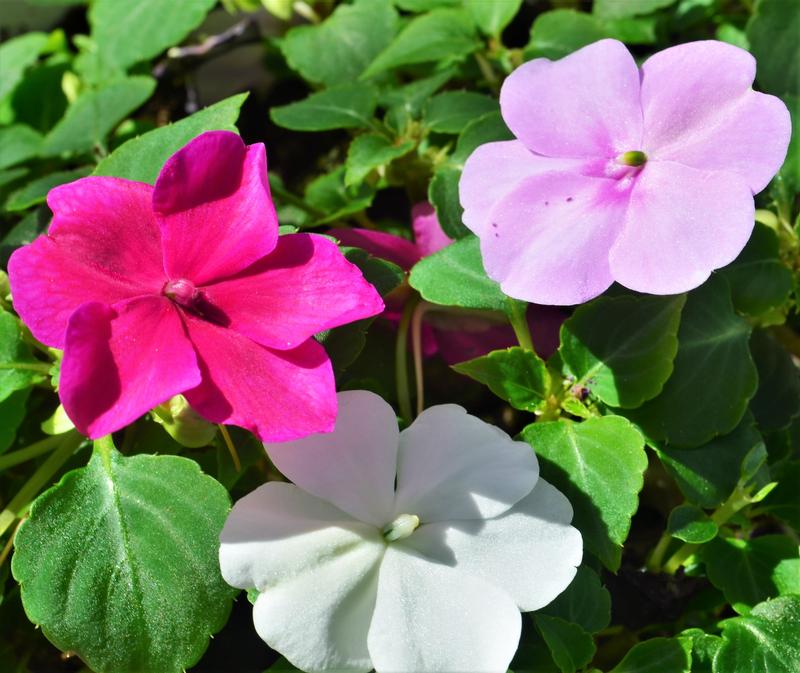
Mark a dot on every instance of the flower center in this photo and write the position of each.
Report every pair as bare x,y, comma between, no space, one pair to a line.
401,527
182,292
634,158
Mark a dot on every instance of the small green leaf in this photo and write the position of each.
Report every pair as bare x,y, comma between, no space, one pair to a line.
443,194
344,107
334,199
691,524
706,395
15,57
141,158
18,143
571,647
772,32
35,192
338,50
584,602
370,151
515,375
451,111
704,649
492,17
598,464
18,368
615,9
440,35
622,348
486,129
454,276
777,400
150,584
657,655
765,641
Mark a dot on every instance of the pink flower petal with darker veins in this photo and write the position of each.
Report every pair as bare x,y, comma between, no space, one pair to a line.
103,245
304,286
584,105
393,248
700,110
278,395
428,233
121,362
664,249
214,207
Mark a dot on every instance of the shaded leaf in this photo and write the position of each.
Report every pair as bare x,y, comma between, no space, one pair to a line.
343,107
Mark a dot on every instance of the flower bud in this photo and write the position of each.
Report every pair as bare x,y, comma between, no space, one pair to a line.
183,423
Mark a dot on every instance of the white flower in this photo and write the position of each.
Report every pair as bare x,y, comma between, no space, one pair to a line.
402,551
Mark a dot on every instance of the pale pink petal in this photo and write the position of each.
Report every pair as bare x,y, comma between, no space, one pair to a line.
583,105
304,286
428,233
549,239
682,223
495,169
214,207
393,248
103,245
121,361
277,395
700,110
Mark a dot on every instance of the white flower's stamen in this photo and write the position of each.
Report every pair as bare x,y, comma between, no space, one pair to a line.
401,527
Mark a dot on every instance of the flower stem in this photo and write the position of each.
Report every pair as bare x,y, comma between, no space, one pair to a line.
416,343
29,452
401,360
518,317
237,464
657,556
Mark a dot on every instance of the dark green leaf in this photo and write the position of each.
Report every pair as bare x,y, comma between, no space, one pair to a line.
370,151
329,195
12,412
425,5
713,376
35,192
150,585
777,400
615,9
657,655
486,129
559,32
142,158
784,501
443,194
598,465
571,647
15,56
451,111
622,348
515,375
18,143
691,524
18,368
491,17
704,649
772,32
584,602
344,107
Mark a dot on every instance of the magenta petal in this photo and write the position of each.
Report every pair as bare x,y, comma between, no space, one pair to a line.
121,362
278,395
700,110
214,207
303,287
392,248
428,233
550,238
583,105
495,169
103,245
681,225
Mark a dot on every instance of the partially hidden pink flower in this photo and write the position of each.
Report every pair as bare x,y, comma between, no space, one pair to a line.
185,287
455,335
644,176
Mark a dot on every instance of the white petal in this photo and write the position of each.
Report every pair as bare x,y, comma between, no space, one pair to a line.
352,467
454,466
279,531
429,617
531,551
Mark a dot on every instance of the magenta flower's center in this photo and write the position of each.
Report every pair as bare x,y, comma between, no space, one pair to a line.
635,158
182,292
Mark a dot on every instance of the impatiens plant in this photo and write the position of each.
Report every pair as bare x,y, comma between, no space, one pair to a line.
495,367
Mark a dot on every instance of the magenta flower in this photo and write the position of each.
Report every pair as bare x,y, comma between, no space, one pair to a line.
641,176
186,287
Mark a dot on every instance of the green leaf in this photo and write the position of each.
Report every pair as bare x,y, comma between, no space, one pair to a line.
425,5
657,655
344,107
584,602
777,400
772,32
763,642
486,129
744,570
331,196
451,111
492,17
142,158
571,647
691,524
713,377
704,649
559,32
708,474
784,501
39,100
615,9
598,465
126,33
410,98
622,348
15,57
759,281
35,192
454,276
18,143
443,195
18,368
515,375
12,413
149,586
369,152
441,35
338,50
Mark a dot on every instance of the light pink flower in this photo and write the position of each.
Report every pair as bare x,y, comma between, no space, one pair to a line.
185,287
457,335
641,176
